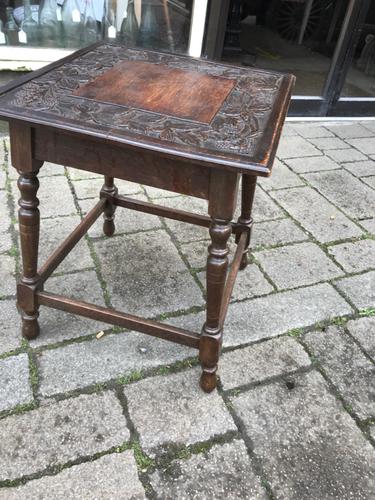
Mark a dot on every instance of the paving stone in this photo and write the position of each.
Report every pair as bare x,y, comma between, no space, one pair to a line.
344,155
79,365
5,242
261,361
59,433
288,130
52,233
10,326
355,257
153,192
4,212
108,477
224,473
369,125
297,265
360,168
76,174
57,326
143,274
351,372
7,277
327,143
55,197
369,225
276,232
282,177
126,221
196,252
312,131
15,387
350,131
2,178
264,207
370,181
90,188
176,410
359,289
267,317
317,215
363,329
309,447
313,164
366,145
48,169
296,147
250,283
345,191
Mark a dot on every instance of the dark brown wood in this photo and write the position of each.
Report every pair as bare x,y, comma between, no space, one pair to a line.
168,121
160,89
221,210
70,242
117,318
245,221
110,189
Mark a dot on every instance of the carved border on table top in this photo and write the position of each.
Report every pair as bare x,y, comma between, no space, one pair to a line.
235,129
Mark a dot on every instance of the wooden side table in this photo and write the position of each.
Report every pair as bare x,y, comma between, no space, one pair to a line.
189,126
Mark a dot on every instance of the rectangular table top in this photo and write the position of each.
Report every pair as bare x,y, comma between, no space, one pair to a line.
207,112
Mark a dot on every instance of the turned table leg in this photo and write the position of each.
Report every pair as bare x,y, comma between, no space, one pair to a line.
221,205
109,209
28,217
245,219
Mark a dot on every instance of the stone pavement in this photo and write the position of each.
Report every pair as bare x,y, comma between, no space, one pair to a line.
122,416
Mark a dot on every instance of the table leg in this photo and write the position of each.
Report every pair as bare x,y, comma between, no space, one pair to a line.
245,219
28,217
109,209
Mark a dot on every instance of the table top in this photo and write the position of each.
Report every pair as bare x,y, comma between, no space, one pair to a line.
207,112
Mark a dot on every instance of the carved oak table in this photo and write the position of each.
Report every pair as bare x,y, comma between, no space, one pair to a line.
185,125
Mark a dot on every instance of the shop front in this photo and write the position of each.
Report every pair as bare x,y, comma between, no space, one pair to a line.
328,44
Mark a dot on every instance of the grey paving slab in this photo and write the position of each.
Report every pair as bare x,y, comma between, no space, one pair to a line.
144,274
79,365
360,168
7,276
58,433
108,477
313,164
2,178
365,144
5,242
359,289
309,447
327,143
250,283
343,189
261,361
126,221
57,326
345,155
267,317
370,181
276,232
173,409
55,197
369,125
224,472
76,174
297,265
311,131
196,252
264,207
363,330
282,177
296,147
48,169
369,225
350,131
351,372
355,256
317,215
4,212
288,130
10,326
90,188
15,387
159,193
52,233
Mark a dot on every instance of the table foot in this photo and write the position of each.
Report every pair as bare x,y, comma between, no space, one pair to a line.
30,326
208,381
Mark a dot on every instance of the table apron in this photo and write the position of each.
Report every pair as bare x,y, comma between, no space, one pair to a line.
122,162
